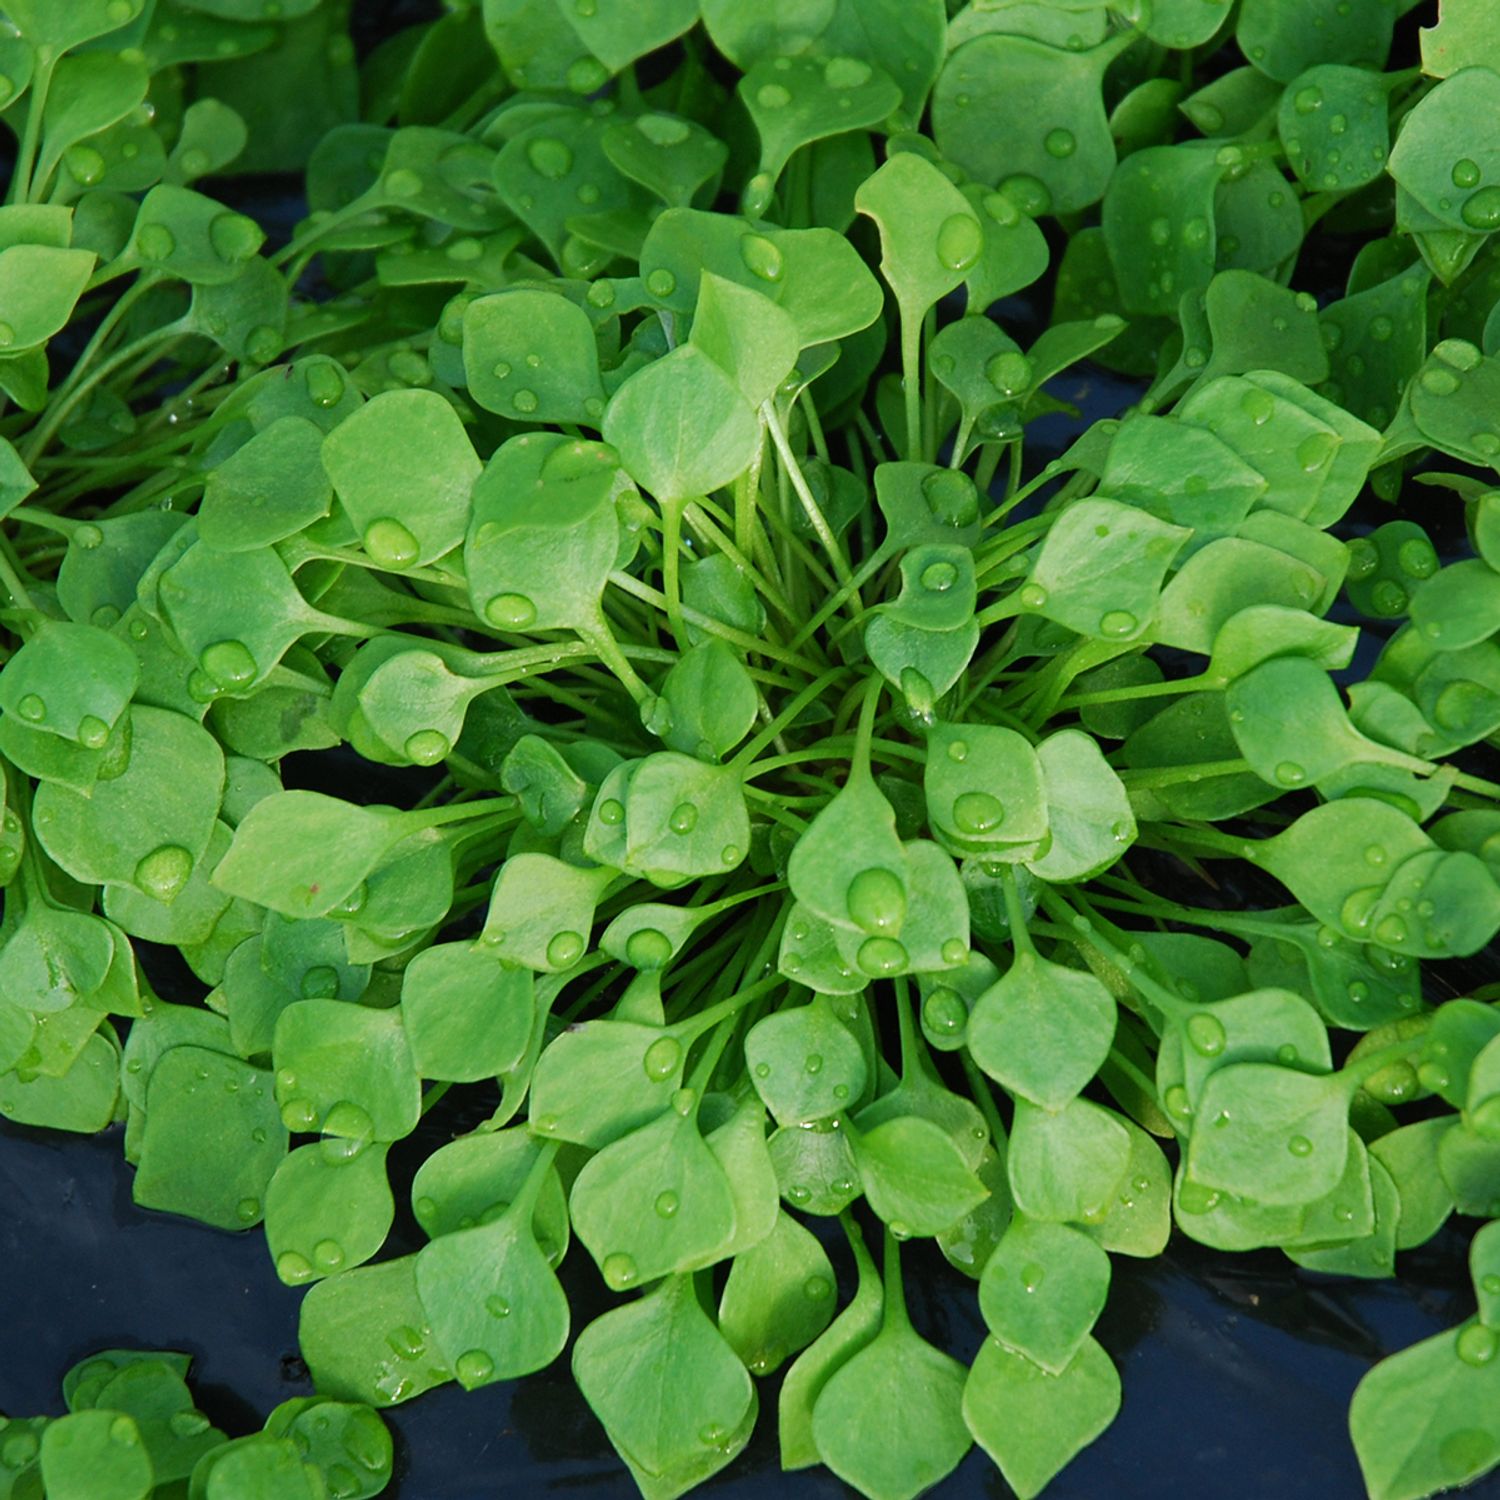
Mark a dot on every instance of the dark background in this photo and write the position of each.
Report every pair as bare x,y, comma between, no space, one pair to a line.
1237,1370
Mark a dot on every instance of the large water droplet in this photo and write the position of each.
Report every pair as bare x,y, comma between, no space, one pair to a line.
235,237
164,872
944,1012
328,1255
959,241
772,96
473,1367
389,544
881,957
427,747
565,949
620,1271
877,900
977,812
229,663
1206,1034
1482,210
292,1268
667,1204
549,157
1060,143
663,1058
1116,624
684,818
510,611
155,242
761,257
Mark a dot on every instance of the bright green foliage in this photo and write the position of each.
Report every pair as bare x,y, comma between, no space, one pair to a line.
745,770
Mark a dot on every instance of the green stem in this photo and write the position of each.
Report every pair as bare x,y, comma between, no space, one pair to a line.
911,361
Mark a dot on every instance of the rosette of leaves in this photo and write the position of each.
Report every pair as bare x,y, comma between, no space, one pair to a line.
582,621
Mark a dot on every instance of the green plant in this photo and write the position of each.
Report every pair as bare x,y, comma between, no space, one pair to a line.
786,762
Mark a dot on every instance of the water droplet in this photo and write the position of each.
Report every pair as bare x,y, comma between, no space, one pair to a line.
1466,173
666,1204
164,872
959,241
405,1342
944,1012
1433,1077
328,1255
882,956
565,949
1482,210
524,401
977,812
939,577
1206,1034
761,257
772,96
1116,624
292,1268
1437,381
187,1424
661,283
1032,1275
1289,773
1299,1145
1315,450
663,1058
619,1271
1060,143
229,664
473,1367
1175,1101
684,818
389,544
648,948
155,241
813,1062
877,900
1009,372
510,611
549,158
611,812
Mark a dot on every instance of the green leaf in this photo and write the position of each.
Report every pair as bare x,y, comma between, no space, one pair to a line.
345,1070
1042,1030
779,1297
889,1421
1423,1419
661,1378
492,1300
666,1165
681,426
1088,812
1288,1146
915,1176
804,1063
530,355
1055,132
328,1207
793,101
267,490
544,533
1033,1423
95,1455
212,1140
1065,1165
466,1016
402,467
930,236
364,1335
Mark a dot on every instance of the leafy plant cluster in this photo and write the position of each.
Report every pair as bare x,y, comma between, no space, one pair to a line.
134,1432
626,458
